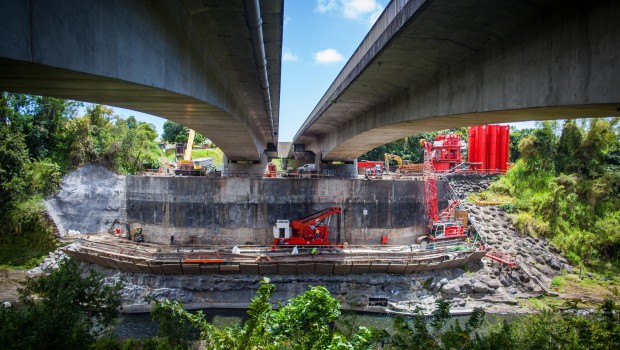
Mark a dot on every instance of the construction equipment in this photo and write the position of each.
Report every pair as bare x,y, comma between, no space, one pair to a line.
440,226
272,170
309,230
370,168
135,235
404,166
189,168
446,152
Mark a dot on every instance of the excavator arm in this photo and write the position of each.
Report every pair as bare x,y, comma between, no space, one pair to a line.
395,157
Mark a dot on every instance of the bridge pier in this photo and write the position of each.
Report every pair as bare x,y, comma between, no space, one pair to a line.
342,170
249,168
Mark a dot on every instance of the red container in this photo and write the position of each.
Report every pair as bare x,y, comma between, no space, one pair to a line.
504,145
482,148
471,144
492,131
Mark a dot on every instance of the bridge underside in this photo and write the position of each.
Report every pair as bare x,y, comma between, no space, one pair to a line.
437,65
213,66
363,142
224,130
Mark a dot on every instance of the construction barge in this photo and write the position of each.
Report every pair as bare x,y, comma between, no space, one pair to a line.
134,257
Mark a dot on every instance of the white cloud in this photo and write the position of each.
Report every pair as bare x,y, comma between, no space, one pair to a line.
287,19
328,56
358,10
288,55
355,9
323,6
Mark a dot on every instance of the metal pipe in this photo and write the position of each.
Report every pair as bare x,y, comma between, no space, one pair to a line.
255,24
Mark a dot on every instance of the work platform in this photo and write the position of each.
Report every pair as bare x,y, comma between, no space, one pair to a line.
109,251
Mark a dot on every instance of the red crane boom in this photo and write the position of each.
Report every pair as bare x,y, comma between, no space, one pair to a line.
312,229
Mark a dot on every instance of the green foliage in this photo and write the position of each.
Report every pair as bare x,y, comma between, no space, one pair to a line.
304,322
66,309
214,153
515,138
177,133
567,156
438,332
567,189
40,140
25,232
173,329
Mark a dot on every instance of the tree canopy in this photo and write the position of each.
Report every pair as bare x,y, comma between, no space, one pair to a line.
177,133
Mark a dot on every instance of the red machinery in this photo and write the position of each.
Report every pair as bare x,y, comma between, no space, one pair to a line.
446,152
370,168
312,229
488,148
440,226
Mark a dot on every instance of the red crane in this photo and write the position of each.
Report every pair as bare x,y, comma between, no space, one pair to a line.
440,226
309,230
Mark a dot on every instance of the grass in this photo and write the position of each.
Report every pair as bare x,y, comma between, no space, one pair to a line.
21,257
542,303
214,153
558,282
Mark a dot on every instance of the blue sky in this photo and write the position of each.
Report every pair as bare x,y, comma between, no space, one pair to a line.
319,37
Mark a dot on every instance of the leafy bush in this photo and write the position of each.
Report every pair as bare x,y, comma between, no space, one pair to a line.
66,309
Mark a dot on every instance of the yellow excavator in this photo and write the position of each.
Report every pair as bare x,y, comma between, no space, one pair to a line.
403,166
186,167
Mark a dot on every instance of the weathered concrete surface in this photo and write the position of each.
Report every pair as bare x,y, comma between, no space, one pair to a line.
429,65
240,210
89,200
189,61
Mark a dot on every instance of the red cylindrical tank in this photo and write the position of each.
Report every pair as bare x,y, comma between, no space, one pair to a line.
504,142
471,145
492,147
482,148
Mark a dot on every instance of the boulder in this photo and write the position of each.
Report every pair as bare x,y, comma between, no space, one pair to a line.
480,287
505,281
451,289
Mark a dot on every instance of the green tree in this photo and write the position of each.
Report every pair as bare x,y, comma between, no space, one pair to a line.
14,161
599,140
61,310
569,145
515,138
177,133
539,148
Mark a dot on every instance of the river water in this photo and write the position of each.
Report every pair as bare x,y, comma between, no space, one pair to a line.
141,325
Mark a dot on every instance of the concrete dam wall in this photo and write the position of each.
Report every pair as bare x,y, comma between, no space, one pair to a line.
243,210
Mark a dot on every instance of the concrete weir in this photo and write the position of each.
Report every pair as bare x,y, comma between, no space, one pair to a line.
235,211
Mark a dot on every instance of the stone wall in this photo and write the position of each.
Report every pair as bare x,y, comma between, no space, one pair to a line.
243,210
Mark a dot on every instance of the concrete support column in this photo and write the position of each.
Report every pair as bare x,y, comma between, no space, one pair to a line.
244,168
